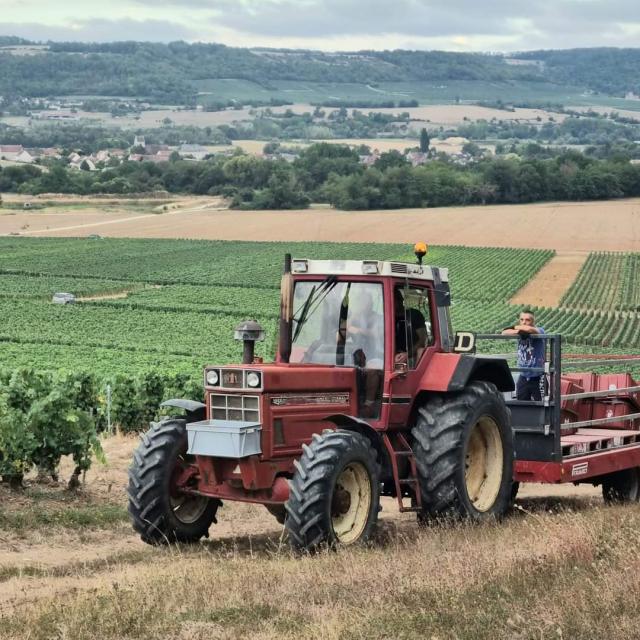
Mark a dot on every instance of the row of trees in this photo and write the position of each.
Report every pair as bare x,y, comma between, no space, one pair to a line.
574,130
89,139
334,173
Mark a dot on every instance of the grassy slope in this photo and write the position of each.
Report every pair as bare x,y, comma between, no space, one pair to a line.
557,567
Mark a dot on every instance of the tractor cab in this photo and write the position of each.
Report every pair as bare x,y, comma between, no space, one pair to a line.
383,319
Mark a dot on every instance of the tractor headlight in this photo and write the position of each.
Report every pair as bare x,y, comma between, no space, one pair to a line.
253,379
213,378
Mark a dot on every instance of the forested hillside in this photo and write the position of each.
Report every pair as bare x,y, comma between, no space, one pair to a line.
175,71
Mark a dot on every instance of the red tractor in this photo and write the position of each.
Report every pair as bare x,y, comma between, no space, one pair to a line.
370,395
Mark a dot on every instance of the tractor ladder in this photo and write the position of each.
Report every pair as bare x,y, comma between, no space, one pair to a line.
400,450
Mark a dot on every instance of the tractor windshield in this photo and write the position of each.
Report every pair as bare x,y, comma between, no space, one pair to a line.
339,323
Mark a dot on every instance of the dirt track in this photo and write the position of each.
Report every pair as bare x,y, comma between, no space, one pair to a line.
565,226
548,286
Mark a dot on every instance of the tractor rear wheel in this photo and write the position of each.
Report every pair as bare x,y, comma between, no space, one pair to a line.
334,496
463,446
622,486
159,511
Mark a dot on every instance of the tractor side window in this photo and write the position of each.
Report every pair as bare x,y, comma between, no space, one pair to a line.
413,332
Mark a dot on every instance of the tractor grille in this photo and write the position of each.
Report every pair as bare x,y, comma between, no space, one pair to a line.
235,407
398,267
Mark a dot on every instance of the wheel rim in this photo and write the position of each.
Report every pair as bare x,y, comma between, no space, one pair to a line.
186,508
351,503
484,464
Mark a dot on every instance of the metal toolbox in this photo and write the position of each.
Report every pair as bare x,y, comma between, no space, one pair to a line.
224,438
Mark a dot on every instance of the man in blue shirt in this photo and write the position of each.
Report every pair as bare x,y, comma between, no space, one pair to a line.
530,384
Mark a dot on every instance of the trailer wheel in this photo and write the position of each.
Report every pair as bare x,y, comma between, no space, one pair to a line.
621,486
463,446
160,513
334,496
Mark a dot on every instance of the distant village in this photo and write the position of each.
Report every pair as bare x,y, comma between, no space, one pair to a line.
141,151
138,152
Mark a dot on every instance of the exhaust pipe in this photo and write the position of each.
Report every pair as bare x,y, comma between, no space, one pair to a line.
286,311
249,331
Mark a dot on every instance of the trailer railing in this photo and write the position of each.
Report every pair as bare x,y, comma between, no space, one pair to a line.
538,425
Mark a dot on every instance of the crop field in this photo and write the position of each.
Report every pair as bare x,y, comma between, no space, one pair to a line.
607,281
171,303
563,226
424,92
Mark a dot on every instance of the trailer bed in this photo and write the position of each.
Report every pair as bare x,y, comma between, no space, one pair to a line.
586,454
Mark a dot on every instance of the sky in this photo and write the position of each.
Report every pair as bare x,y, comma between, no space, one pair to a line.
334,25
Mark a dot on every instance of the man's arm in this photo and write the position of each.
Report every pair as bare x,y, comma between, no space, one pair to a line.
525,328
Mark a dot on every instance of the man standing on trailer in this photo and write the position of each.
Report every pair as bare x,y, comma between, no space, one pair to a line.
530,384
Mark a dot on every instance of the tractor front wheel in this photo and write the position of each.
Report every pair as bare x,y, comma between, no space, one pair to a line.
463,446
622,486
159,511
334,496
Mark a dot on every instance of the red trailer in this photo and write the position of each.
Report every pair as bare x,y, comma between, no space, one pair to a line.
586,430
371,395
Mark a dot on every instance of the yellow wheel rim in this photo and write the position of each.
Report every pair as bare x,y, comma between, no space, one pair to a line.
484,464
351,503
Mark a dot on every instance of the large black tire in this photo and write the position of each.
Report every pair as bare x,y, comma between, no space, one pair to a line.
159,513
463,446
622,486
334,496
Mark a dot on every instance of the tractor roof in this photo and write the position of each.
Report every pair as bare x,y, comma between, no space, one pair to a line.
366,267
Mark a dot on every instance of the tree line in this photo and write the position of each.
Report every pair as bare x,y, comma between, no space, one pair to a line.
334,174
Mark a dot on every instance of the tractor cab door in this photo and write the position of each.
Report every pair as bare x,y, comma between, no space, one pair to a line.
414,342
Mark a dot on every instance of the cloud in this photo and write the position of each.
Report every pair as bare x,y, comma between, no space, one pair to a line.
530,24
327,18
462,25
100,30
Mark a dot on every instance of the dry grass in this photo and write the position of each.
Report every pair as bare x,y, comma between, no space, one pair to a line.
557,567
570,574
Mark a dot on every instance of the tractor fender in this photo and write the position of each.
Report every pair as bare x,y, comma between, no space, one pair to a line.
453,372
351,423
195,410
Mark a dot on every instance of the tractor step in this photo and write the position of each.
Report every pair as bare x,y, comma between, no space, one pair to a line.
399,449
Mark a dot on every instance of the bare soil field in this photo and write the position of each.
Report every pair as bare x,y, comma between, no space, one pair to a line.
448,145
432,115
564,226
454,114
548,286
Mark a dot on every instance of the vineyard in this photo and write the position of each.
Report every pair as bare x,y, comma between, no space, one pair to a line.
607,281
172,305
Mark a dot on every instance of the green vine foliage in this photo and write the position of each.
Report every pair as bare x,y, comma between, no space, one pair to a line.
44,417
